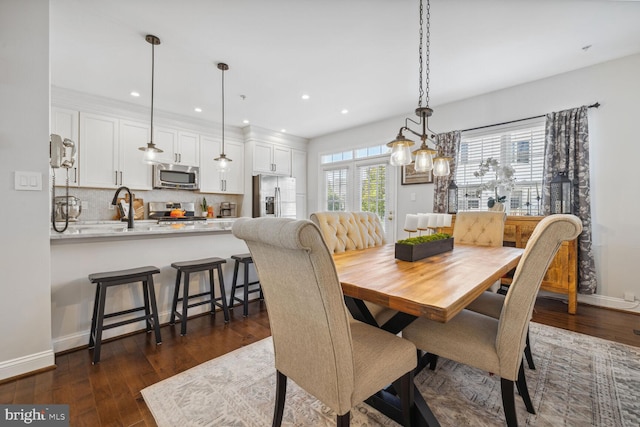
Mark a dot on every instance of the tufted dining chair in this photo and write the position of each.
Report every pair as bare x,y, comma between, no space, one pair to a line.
349,231
337,359
496,345
485,229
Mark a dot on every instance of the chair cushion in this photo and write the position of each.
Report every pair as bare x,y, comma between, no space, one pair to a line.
468,338
488,303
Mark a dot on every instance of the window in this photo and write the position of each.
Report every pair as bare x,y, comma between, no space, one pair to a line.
336,185
359,180
519,146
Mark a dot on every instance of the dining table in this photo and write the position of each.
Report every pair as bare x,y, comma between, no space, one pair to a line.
437,287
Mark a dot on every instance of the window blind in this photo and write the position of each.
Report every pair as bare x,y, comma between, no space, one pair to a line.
518,145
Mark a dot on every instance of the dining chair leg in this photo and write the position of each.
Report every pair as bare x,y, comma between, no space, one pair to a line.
432,360
508,402
343,420
281,394
527,353
523,390
406,393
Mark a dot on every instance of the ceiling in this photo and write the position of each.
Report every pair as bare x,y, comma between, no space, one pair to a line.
359,55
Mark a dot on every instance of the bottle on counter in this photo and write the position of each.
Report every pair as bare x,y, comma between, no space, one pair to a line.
209,211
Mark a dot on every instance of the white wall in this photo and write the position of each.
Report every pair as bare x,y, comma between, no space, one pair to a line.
614,156
25,299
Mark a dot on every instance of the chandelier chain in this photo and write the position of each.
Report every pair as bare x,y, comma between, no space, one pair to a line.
421,91
428,51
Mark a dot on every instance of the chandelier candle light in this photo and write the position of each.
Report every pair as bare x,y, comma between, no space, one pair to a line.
401,146
151,150
223,160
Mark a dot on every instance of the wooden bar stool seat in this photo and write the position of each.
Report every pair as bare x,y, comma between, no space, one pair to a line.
195,266
246,260
114,278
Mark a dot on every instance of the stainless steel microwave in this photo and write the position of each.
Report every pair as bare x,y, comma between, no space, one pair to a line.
178,177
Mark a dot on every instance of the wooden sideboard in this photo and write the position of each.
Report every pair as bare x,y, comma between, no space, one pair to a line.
562,275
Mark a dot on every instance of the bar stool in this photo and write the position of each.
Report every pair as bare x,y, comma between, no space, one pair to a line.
188,267
244,259
121,277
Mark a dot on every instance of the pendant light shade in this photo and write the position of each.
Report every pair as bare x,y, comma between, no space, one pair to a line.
223,160
150,150
400,150
441,166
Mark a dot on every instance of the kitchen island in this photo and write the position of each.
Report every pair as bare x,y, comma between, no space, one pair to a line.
91,247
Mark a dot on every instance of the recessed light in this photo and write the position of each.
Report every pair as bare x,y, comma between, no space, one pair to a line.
198,110
245,121
344,111
305,96
283,130
134,93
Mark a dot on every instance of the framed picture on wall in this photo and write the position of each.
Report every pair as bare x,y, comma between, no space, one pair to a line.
410,176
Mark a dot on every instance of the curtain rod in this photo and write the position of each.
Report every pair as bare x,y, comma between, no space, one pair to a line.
595,105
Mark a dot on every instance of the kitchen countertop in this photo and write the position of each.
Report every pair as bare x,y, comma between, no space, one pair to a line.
82,230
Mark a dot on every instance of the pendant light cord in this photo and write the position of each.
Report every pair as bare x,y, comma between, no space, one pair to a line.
222,111
153,72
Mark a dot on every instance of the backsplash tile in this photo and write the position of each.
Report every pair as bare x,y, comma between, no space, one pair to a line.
99,200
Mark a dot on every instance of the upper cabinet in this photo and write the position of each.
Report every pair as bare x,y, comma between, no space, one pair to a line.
271,159
110,155
299,170
212,180
178,147
65,123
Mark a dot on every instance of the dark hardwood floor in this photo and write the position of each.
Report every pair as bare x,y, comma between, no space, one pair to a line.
108,394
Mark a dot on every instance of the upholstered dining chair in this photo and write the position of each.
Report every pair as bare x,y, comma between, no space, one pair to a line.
337,359
485,229
496,345
349,231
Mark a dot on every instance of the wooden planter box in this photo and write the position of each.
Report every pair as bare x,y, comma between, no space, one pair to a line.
424,250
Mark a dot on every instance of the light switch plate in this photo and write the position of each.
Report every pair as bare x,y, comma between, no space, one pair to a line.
28,181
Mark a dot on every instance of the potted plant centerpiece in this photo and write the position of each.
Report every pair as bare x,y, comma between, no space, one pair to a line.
502,184
415,248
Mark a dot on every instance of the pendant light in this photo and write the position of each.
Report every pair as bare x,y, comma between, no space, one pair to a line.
400,147
151,150
223,160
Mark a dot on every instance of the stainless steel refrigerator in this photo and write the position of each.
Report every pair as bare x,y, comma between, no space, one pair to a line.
274,196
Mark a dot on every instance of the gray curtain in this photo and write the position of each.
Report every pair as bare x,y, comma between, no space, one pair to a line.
447,144
567,150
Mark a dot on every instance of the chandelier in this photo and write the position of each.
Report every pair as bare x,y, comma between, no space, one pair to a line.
150,150
401,146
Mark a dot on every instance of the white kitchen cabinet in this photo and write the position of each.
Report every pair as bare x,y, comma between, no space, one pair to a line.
211,179
135,173
178,147
65,123
110,156
271,159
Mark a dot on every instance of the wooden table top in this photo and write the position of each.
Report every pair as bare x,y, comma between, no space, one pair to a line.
438,287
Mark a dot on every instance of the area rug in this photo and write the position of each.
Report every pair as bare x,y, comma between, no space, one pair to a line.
579,381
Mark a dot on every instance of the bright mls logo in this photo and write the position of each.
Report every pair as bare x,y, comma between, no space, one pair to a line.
37,415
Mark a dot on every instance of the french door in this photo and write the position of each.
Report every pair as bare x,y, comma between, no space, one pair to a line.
364,185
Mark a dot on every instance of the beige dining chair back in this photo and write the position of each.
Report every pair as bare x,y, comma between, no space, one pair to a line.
484,229
349,231
479,228
316,343
496,345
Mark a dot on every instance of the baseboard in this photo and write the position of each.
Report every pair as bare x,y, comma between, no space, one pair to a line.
24,365
600,301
